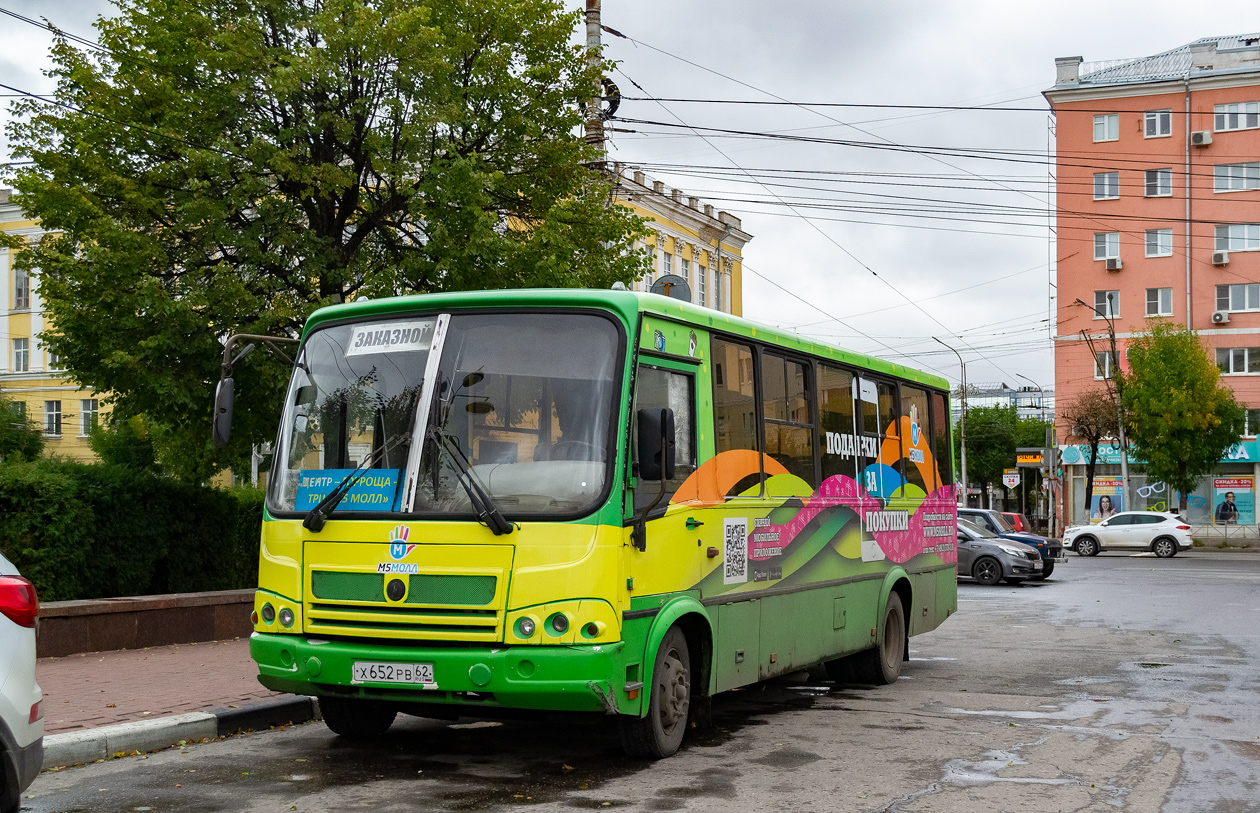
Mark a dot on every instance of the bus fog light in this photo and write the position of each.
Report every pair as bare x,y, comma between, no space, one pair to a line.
593,629
286,617
559,623
525,627
268,613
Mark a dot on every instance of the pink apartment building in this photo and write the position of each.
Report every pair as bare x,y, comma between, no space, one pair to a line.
1158,217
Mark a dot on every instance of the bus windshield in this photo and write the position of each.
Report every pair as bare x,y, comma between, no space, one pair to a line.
521,402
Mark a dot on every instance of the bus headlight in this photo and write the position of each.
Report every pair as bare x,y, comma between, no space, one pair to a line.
268,613
525,627
286,616
558,624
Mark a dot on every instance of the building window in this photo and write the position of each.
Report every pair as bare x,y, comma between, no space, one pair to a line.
1159,243
1240,297
1107,127
1253,422
1158,123
1158,183
667,263
1106,185
1107,245
686,272
21,289
54,361
1238,237
1238,360
1105,365
52,418
21,355
1159,301
1236,177
702,276
1107,304
1236,116
88,411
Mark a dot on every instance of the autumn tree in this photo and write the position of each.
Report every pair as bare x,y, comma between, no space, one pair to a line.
1178,416
1090,418
222,166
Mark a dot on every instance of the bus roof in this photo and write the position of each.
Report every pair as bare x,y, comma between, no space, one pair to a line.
627,304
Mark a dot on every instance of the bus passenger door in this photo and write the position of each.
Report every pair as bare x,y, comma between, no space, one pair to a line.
673,556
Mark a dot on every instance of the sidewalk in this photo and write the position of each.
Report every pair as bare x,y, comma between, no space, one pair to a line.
99,703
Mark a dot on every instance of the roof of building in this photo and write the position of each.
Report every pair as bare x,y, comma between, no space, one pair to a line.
1203,57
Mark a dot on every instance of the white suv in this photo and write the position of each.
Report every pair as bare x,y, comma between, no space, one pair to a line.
21,713
1165,534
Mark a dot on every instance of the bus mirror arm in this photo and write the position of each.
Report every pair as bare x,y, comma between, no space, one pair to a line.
225,391
657,447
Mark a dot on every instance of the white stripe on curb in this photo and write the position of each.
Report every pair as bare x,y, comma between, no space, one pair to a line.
92,744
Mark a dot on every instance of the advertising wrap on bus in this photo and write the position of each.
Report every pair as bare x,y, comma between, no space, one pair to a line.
594,502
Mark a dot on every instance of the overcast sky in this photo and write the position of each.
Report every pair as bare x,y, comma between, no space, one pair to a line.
968,245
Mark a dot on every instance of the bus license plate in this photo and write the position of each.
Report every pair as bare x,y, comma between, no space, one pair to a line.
415,674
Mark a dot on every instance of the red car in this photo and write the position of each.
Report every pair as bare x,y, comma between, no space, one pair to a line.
1018,522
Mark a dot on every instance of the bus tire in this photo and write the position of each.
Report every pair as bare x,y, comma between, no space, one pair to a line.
357,719
882,665
660,732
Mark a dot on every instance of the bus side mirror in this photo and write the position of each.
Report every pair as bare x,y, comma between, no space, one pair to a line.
224,395
657,444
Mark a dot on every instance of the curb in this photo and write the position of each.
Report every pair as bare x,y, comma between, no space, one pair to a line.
89,745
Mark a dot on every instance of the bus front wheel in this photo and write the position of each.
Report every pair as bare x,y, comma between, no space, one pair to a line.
661,732
357,719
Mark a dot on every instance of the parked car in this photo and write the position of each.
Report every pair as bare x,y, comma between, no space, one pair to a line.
989,558
1164,534
1051,550
1018,522
21,712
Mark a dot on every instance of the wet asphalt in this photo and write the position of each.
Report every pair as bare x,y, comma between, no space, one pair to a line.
1121,683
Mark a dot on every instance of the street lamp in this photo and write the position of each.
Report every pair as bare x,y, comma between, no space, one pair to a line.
1114,388
962,421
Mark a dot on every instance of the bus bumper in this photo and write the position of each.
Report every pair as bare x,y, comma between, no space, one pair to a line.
587,678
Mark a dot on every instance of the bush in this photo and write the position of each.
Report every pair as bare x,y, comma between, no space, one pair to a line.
99,531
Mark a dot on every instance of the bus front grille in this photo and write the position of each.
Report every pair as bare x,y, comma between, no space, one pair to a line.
436,606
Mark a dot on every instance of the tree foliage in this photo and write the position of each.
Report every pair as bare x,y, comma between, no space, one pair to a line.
19,439
993,435
1091,417
223,166
1178,417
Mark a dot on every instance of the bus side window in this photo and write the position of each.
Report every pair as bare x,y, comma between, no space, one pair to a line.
735,415
916,439
835,414
941,449
657,388
786,400
891,447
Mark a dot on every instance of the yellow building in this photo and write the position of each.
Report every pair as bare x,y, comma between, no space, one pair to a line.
29,374
689,240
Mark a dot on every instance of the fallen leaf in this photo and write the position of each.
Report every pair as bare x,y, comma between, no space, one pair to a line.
111,705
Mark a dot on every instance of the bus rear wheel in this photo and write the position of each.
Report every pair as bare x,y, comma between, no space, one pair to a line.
357,719
882,665
660,733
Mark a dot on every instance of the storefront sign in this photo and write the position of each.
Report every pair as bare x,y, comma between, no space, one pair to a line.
1078,454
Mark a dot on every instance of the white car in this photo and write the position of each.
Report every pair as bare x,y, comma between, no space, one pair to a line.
21,712
1164,534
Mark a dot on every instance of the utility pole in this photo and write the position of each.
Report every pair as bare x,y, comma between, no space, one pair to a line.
594,57
962,420
1113,386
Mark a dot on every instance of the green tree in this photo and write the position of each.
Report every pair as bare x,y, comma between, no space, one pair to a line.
222,166
123,443
1090,417
19,439
1179,418
990,445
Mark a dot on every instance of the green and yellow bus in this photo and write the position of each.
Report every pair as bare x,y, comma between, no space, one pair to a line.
591,501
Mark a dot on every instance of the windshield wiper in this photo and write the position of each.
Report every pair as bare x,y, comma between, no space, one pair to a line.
487,512
317,516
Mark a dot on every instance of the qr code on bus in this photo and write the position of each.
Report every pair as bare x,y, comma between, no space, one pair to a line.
735,546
